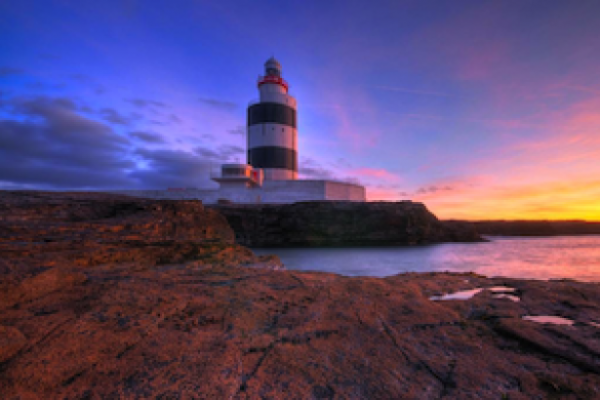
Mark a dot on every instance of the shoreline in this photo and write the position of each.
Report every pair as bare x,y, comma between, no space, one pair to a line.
123,297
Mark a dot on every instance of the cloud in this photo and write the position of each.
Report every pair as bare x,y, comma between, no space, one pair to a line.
375,173
223,153
114,117
49,56
7,71
143,103
410,91
386,193
87,80
434,189
81,78
39,86
351,179
207,154
147,137
174,119
311,169
239,130
51,146
342,163
226,105
229,151
584,89
172,168
48,144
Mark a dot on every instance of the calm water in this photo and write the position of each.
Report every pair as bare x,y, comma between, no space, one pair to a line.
575,257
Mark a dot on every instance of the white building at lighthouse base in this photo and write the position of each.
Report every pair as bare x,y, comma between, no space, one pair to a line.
240,183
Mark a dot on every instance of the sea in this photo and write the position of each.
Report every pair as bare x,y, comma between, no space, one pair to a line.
556,257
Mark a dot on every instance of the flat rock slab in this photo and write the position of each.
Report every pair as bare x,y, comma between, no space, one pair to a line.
189,330
114,297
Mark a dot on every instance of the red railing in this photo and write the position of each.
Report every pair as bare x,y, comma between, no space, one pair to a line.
272,79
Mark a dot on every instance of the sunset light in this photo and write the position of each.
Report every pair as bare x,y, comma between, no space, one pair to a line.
300,199
475,108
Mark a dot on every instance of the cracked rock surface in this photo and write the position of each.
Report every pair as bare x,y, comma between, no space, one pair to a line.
205,325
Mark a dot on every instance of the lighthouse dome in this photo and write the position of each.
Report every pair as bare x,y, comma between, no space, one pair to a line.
273,67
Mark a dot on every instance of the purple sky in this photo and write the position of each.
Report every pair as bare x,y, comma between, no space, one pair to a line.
481,109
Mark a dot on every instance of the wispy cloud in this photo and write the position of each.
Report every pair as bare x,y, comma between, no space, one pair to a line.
577,88
7,71
238,130
410,91
374,173
143,103
223,104
149,137
114,117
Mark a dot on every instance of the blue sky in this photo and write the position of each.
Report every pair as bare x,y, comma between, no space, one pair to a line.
477,108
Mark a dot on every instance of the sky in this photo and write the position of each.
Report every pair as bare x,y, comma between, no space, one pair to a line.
480,109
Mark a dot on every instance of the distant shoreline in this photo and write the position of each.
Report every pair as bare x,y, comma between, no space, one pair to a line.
536,228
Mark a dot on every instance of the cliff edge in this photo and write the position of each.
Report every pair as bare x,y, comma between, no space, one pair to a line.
338,223
43,230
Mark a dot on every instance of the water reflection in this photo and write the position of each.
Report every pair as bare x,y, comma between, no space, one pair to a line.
462,295
573,257
510,297
502,291
549,319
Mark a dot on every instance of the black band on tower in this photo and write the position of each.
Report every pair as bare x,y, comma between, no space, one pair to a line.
273,157
271,112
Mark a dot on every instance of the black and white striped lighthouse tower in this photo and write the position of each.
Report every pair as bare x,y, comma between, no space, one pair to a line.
272,131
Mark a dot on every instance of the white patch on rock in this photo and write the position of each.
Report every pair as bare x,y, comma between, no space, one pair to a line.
507,296
502,291
549,319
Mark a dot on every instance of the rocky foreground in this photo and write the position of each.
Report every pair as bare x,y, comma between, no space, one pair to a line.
105,297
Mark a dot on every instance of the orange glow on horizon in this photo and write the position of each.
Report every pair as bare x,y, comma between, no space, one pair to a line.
549,201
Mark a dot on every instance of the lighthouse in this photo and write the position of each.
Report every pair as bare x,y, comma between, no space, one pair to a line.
272,127
270,175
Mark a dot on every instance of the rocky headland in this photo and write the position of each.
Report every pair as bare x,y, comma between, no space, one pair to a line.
537,228
339,223
106,297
